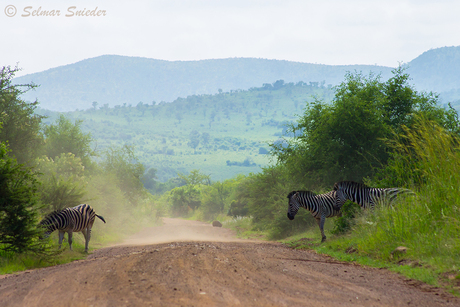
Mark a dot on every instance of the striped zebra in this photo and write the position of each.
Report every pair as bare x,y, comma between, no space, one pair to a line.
365,196
321,206
75,219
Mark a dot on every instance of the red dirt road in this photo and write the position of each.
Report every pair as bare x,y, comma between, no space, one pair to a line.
186,263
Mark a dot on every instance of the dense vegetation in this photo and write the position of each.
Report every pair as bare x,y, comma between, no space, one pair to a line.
50,167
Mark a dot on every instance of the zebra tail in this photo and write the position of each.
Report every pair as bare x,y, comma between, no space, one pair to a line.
99,216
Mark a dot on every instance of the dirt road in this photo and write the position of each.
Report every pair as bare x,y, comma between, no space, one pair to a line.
185,263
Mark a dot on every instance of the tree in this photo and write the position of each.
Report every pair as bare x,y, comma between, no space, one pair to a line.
18,205
62,181
65,137
344,140
149,179
194,139
20,126
188,198
121,162
205,138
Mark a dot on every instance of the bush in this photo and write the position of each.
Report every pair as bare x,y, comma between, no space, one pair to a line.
344,223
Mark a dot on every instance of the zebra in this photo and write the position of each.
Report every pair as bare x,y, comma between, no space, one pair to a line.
321,206
365,196
75,219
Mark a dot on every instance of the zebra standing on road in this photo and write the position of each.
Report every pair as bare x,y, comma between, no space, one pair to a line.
321,206
75,219
365,196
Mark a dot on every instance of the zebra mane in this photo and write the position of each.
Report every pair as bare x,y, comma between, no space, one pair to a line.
306,193
349,184
52,214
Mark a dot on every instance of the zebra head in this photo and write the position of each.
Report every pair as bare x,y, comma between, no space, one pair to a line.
293,205
49,223
342,192
347,190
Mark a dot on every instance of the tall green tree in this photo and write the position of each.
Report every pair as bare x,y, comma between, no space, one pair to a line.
18,205
20,126
344,140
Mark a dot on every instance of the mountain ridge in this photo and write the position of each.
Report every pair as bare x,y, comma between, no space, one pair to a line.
117,80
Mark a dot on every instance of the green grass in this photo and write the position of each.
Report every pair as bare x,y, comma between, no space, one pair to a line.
11,263
413,269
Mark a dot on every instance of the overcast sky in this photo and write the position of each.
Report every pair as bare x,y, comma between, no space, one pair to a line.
323,32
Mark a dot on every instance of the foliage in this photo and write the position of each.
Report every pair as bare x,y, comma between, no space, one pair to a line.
18,206
344,223
345,140
218,197
237,209
121,162
20,125
213,200
64,137
195,178
63,182
429,224
183,200
265,195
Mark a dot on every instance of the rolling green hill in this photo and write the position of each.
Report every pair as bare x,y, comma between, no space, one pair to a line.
222,135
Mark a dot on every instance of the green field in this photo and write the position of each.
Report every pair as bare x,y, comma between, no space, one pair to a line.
201,132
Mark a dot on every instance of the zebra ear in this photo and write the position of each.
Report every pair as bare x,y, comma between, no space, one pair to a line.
291,194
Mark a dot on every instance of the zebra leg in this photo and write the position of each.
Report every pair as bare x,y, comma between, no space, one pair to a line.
320,222
61,237
87,234
70,239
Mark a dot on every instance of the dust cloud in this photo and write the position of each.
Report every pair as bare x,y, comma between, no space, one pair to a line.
178,230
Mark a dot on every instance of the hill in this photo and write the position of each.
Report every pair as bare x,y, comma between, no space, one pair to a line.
438,70
221,135
115,80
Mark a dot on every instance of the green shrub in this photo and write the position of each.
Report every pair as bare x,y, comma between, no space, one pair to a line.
344,223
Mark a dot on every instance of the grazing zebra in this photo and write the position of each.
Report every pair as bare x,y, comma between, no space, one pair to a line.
363,195
75,219
321,206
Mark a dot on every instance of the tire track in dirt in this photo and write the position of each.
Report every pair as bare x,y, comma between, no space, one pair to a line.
187,263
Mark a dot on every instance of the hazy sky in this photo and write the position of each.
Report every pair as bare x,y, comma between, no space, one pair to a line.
324,32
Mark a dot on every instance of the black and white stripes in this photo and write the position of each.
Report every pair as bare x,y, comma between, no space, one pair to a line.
321,206
79,218
365,196
329,204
